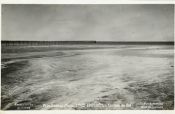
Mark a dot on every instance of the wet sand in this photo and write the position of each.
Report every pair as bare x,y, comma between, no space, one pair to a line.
87,77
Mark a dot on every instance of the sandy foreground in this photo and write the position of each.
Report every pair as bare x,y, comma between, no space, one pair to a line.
71,77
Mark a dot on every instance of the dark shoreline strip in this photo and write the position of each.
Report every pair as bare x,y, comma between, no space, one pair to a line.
18,43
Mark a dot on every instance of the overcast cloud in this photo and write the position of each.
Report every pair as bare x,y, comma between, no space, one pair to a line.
88,22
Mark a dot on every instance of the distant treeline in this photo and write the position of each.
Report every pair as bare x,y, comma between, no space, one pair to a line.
18,43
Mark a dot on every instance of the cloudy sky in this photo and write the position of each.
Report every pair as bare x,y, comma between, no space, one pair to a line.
88,22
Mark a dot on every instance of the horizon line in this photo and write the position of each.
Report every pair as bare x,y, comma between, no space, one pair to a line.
82,41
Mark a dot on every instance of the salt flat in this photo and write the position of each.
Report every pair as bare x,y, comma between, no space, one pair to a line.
50,77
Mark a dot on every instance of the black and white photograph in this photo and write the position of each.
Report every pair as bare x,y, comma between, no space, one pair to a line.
87,57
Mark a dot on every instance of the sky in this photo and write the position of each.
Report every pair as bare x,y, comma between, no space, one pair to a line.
115,22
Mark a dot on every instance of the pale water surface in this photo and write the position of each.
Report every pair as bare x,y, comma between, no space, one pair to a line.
121,75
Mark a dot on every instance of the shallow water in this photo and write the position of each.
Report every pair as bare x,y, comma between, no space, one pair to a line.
64,79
